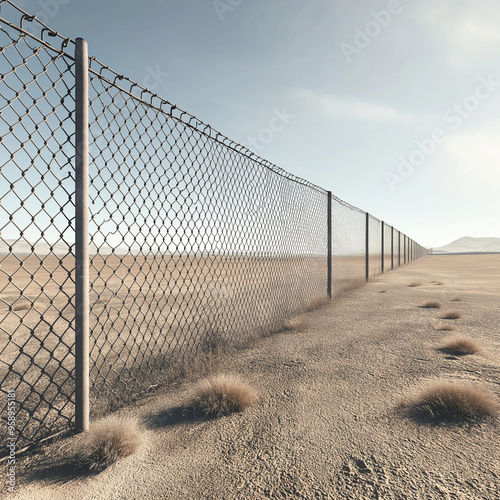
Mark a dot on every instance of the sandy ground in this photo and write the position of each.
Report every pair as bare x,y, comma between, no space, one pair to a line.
328,424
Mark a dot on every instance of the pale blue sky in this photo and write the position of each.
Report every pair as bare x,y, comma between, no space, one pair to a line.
338,92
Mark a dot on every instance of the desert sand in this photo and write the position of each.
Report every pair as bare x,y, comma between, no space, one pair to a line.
329,423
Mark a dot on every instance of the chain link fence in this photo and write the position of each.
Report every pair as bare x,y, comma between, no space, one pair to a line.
37,227
195,244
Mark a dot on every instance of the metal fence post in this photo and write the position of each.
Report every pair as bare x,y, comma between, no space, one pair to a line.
329,233
392,248
383,247
81,237
399,248
367,247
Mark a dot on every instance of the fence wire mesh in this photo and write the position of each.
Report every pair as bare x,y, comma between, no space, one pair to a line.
36,230
348,245
375,246
387,248
195,243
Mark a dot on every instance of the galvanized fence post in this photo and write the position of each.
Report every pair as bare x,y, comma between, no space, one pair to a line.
329,235
392,248
81,237
399,248
383,247
367,247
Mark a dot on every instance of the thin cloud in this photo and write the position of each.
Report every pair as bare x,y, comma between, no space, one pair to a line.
467,31
345,109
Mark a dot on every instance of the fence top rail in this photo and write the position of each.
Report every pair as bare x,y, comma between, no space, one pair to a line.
347,205
27,22
154,101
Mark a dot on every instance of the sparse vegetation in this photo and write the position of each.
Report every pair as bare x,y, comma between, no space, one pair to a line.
460,345
296,324
415,283
430,304
223,394
108,441
451,315
454,399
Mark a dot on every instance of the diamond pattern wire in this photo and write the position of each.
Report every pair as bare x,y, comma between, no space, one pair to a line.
196,244
375,246
387,247
348,246
36,235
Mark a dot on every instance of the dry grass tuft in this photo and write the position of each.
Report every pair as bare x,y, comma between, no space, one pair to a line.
447,328
297,324
108,441
22,306
460,345
430,304
451,315
447,399
415,283
223,394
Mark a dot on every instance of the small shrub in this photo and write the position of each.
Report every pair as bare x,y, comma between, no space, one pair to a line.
296,324
223,394
460,345
447,328
108,441
431,305
451,315
447,399
415,283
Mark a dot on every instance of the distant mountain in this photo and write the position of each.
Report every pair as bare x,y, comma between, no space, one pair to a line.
468,244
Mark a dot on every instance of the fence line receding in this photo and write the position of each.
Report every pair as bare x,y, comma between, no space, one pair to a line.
175,240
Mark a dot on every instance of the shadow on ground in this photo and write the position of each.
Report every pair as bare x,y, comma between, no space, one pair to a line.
51,472
177,415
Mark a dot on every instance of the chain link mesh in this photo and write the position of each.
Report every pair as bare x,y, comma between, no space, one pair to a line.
387,248
348,246
36,231
196,244
375,246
